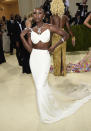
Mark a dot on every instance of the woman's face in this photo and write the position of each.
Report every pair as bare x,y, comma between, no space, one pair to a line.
38,14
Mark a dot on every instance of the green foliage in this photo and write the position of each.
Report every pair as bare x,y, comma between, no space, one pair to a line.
83,38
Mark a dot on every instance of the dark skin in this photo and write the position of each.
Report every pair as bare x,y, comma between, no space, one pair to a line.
38,15
61,22
87,20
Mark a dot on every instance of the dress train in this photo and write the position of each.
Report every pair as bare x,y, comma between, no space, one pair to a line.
54,104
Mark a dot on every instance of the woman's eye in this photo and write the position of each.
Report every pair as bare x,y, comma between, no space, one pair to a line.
40,12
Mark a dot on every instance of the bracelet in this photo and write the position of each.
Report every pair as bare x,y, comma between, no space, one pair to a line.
62,39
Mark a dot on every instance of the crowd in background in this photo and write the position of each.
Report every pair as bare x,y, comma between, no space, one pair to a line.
10,37
80,15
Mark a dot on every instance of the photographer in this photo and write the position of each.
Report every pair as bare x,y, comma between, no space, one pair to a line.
82,9
2,57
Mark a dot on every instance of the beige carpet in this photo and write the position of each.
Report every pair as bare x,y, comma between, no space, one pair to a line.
18,108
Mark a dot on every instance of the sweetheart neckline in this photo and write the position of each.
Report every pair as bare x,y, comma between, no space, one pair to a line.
41,33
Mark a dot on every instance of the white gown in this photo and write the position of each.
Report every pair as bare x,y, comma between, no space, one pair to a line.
6,40
54,105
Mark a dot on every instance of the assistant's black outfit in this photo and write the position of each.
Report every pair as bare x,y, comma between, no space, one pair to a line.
21,53
82,9
46,7
18,29
11,30
26,56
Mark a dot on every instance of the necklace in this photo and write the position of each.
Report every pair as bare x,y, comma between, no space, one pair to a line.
39,29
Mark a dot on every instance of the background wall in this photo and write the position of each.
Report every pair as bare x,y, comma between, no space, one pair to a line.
27,6
7,10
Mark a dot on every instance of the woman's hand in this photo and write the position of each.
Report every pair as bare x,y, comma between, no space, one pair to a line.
73,41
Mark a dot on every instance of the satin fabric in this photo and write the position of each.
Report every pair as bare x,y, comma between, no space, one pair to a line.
55,104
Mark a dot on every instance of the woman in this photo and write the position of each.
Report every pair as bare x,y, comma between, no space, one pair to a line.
85,64
88,19
51,110
2,57
5,37
60,21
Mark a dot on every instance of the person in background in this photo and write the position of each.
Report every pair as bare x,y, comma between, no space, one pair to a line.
67,13
46,8
83,65
77,19
11,33
2,57
60,21
66,4
83,9
18,29
5,37
87,20
26,54
23,22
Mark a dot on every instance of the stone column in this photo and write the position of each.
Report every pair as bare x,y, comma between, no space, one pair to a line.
27,6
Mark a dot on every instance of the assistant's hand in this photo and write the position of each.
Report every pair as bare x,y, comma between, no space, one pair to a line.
73,41
51,49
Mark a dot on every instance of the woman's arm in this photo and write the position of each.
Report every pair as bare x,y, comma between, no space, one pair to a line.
62,33
27,44
86,22
51,21
70,31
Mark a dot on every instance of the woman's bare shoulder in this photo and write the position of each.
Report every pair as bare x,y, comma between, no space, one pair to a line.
47,26
90,15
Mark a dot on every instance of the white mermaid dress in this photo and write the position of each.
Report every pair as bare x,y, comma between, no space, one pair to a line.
53,105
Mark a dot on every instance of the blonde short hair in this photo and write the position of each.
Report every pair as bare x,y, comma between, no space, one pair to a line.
30,15
57,7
